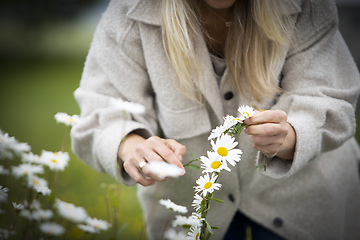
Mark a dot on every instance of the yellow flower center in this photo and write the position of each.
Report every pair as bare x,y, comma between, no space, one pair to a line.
197,236
35,182
246,114
208,185
222,151
215,164
54,161
236,119
97,226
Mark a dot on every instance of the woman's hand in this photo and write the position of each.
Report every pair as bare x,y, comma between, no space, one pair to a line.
135,149
271,134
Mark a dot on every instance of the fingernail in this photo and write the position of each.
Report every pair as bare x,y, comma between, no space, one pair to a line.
246,130
180,157
183,173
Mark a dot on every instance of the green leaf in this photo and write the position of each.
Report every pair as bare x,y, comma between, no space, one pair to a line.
207,236
208,226
260,165
193,166
217,200
214,227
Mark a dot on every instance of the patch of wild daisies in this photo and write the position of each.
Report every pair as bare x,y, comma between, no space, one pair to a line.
38,209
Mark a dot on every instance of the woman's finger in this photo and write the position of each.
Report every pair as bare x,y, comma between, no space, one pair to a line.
269,116
135,174
160,147
267,129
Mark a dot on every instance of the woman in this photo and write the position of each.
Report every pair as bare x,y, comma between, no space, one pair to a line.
190,63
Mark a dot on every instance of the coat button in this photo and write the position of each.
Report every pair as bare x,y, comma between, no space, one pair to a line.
278,222
231,197
228,95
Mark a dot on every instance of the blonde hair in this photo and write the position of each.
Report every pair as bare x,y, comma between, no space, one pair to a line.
257,38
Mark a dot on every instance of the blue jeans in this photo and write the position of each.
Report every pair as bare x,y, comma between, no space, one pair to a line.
238,226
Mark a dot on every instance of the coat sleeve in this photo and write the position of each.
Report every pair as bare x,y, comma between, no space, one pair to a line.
321,83
114,68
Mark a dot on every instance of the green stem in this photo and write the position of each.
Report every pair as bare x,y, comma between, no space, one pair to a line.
66,136
166,224
265,158
191,161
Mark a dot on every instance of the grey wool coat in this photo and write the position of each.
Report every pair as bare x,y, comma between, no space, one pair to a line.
314,196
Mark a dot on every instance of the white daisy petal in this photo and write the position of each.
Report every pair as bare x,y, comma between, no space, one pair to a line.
55,160
66,119
26,169
246,111
196,202
206,184
163,169
171,234
213,163
70,212
170,205
224,147
98,224
194,233
129,107
9,146
87,228
52,229
186,221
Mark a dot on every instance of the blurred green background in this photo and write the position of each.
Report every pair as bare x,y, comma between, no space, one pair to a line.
43,46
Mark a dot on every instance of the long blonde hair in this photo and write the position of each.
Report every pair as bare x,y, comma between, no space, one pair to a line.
257,37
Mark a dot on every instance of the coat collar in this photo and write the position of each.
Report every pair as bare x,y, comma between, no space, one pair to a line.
149,11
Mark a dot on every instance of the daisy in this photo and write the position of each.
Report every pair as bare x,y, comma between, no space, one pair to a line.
172,235
197,202
213,164
35,205
186,221
128,107
246,112
197,216
4,171
170,205
207,185
30,158
163,169
18,206
70,212
216,132
87,228
66,119
41,215
53,229
10,146
36,183
98,224
25,213
231,121
44,190
26,169
194,233
3,194
55,160
224,148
